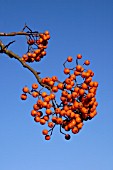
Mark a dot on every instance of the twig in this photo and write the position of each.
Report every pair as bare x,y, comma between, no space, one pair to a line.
6,46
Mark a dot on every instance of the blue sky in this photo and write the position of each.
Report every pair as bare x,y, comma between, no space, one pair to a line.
86,27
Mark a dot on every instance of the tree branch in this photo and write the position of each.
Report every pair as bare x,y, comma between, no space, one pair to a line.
35,33
13,55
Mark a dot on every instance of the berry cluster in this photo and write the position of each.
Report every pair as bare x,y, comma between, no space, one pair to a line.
36,47
77,100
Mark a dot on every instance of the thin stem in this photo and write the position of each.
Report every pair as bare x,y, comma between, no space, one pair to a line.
61,130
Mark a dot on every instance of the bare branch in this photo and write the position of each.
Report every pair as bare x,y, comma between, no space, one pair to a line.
34,33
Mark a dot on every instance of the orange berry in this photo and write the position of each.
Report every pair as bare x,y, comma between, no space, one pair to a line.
46,80
72,83
23,96
77,73
60,86
68,86
41,35
79,56
78,119
25,57
54,119
92,114
33,113
67,136
35,86
44,94
34,55
29,54
69,96
81,92
44,104
70,125
91,84
76,105
96,103
37,51
37,59
35,94
52,96
88,80
46,117
83,75
63,112
47,137
39,102
78,68
76,89
73,122
66,70
49,105
74,94
66,108
54,78
69,59
72,77
95,84
87,75
68,113
45,132
90,95
64,93
84,86
75,130
48,112
66,128
87,62
30,42
37,119
45,37
59,120
43,53
25,89
39,113
48,37
77,115
50,124
47,99
68,81
57,110
46,32
36,107
42,121
72,115
54,88
80,125
51,82
84,110
63,99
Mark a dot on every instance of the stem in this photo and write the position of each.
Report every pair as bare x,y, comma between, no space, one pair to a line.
61,130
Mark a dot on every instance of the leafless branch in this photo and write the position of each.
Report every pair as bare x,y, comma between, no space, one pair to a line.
35,33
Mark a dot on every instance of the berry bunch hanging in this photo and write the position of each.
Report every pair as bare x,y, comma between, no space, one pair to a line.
77,102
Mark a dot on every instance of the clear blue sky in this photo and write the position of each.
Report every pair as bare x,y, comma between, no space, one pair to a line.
76,26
